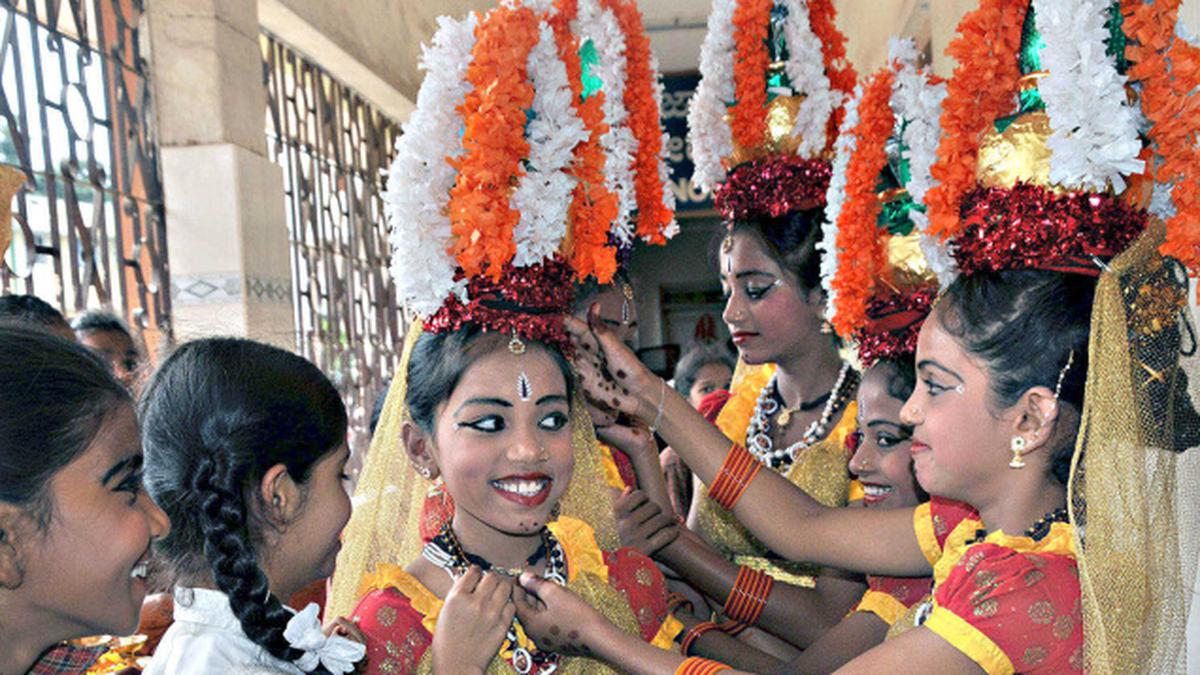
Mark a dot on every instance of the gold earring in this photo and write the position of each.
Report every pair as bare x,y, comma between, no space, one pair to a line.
1018,450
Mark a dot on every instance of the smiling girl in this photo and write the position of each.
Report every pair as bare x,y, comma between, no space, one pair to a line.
75,523
495,430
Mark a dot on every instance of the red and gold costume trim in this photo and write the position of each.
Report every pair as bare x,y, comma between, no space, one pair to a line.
398,613
1010,603
890,598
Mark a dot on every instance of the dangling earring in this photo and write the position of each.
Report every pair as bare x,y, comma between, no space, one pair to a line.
1018,451
436,487
425,472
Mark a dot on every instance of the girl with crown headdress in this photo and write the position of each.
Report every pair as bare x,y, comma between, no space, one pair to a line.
774,81
484,459
1052,415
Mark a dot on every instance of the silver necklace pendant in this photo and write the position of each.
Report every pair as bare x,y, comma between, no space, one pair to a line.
758,432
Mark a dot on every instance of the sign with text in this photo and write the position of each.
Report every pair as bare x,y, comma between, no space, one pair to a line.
677,93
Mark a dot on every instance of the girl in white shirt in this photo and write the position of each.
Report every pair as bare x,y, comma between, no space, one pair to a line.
245,449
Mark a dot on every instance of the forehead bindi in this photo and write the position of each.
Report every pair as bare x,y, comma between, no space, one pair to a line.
875,402
510,377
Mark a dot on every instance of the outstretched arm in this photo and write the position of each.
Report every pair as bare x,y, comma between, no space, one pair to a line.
797,615
782,516
919,650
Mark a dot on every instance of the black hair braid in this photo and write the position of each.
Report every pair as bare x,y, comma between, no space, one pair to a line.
217,415
217,487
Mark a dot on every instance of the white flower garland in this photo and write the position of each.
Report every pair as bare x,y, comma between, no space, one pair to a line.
709,134
1094,139
420,178
600,25
543,195
805,68
835,198
917,101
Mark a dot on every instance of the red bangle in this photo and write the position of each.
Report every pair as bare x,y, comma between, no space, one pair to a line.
748,597
738,469
694,665
694,634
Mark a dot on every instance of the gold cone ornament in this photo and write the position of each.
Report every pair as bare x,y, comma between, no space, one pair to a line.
781,120
1018,154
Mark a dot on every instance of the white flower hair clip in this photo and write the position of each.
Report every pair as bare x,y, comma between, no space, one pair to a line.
336,653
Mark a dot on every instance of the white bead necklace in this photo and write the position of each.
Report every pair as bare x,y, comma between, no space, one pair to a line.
758,432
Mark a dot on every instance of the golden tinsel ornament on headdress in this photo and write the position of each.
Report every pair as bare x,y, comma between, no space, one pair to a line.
774,80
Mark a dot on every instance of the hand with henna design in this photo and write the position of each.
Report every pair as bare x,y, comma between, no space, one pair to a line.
557,619
560,621
610,373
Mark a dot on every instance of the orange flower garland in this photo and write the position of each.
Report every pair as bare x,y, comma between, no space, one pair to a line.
481,219
981,91
593,207
641,101
1169,70
822,16
860,250
751,28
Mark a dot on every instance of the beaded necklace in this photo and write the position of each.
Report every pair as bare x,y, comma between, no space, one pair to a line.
446,552
758,432
1037,531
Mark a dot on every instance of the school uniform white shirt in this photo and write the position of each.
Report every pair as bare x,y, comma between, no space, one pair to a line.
206,638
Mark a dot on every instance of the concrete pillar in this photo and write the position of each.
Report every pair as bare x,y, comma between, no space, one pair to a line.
226,225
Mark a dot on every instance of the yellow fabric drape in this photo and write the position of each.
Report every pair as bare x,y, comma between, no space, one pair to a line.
1134,493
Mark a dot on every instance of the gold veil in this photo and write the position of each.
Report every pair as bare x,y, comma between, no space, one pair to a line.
388,502
1134,494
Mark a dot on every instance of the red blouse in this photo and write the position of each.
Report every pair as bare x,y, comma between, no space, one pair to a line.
890,597
398,627
1012,604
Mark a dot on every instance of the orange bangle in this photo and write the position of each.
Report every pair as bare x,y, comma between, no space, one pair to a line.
748,597
694,665
732,628
738,469
694,634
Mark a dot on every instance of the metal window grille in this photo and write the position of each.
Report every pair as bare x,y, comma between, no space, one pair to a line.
333,147
76,118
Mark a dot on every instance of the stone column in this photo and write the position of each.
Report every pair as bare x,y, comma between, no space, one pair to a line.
226,224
